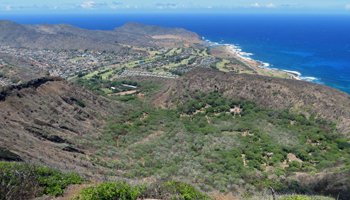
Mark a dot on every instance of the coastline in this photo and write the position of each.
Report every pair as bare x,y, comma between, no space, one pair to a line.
245,57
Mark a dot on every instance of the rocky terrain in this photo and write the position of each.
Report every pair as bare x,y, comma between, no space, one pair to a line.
41,119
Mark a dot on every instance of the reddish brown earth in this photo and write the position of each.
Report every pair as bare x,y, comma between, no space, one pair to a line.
43,121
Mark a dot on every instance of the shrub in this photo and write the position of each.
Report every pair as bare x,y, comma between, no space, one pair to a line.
304,197
296,197
23,181
18,182
110,191
126,98
54,182
183,191
343,144
294,166
174,190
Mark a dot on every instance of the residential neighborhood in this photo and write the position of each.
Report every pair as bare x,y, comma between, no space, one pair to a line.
130,61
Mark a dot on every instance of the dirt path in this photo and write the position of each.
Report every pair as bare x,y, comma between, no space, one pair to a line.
72,191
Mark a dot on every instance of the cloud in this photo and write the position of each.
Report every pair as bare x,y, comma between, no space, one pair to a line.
255,5
115,5
347,6
88,5
166,5
258,5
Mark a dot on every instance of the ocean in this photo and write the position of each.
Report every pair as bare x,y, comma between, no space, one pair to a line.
316,46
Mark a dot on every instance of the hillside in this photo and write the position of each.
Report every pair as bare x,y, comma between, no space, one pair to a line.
42,119
160,36
275,93
186,129
220,136
69,37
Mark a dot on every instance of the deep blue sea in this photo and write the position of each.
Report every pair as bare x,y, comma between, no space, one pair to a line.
315,45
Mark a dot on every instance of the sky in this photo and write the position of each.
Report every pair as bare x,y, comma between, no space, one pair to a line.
122,6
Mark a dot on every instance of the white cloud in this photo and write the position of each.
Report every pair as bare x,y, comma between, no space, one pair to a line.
347,6
258,5
8,8
255,5
88,4
115,5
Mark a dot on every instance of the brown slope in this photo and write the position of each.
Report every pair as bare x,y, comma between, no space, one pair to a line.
270,92
43,120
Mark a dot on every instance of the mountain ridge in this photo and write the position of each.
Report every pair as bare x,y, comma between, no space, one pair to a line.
63,36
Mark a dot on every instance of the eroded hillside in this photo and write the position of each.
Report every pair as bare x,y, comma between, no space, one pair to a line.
42,121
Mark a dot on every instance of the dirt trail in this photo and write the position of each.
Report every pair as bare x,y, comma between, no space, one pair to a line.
72,191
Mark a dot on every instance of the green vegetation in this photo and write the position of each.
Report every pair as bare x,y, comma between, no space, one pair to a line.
204,144
104,87
179,190
302,197
20,180
173,61
123,191
54,182
222,65
110,191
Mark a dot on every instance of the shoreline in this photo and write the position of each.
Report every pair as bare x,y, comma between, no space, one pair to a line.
246,58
